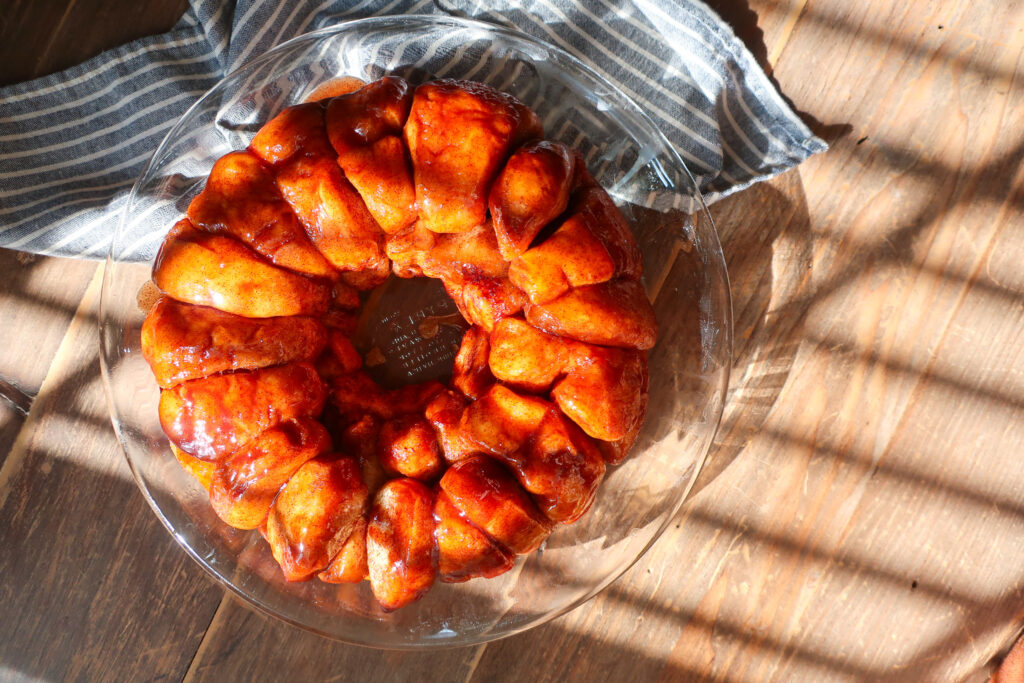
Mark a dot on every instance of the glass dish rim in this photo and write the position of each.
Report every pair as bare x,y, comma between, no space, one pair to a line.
400,22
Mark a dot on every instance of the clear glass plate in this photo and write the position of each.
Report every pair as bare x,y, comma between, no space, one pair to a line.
684,274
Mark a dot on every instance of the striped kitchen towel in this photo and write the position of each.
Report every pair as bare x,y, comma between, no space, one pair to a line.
72,144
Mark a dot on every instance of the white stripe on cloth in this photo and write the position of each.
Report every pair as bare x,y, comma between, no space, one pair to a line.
218,49
86,176
662,114
665,118
658,61
74,142
79,160
268,24
48,210
55,227
66,104
651,7
68,145
112,107
78,232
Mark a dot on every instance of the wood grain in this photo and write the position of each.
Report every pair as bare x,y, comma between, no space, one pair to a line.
37,303
861,513
11,421
94,588
39,37
243,646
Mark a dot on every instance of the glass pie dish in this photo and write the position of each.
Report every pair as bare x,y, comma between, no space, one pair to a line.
685,278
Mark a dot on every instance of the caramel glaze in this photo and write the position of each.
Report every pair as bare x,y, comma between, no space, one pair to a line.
492,501
183,342
261,280
241,199
213,417
314,513
602,389
471,374
463,550
201,470
400,543
531,191
334,87
349,564
209,269
408,447
245,485
458,134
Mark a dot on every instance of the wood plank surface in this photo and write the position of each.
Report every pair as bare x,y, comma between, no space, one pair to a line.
94,588
81,586
37,302
43,36
861,513
11,421
241,645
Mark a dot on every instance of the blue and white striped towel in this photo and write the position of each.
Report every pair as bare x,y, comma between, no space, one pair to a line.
72,144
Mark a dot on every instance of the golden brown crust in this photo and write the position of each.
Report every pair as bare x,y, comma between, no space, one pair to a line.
592,246
605,392
615,452
349,565
407,447
485,300
241,199
201,470
368,114
360,439
444,412
212,417
182,342
400,543
330,209
330,198
530,192
527,358
314,513
602,389
380,173
463,551
613,313
245,484
471,373
549,455
458,134
365,129
356,394
206,269
491,500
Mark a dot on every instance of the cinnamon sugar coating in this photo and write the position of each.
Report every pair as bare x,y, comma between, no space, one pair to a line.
262,284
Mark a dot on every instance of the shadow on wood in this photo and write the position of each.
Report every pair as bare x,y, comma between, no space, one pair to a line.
766,238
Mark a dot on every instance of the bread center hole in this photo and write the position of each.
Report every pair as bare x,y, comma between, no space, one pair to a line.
409,331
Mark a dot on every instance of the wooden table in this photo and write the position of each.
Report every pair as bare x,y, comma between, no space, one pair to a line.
863,510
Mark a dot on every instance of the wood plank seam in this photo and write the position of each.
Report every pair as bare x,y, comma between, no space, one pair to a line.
19,400
204,643
787,30
475,662
20,449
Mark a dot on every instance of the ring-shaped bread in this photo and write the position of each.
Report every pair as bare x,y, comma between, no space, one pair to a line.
252,336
